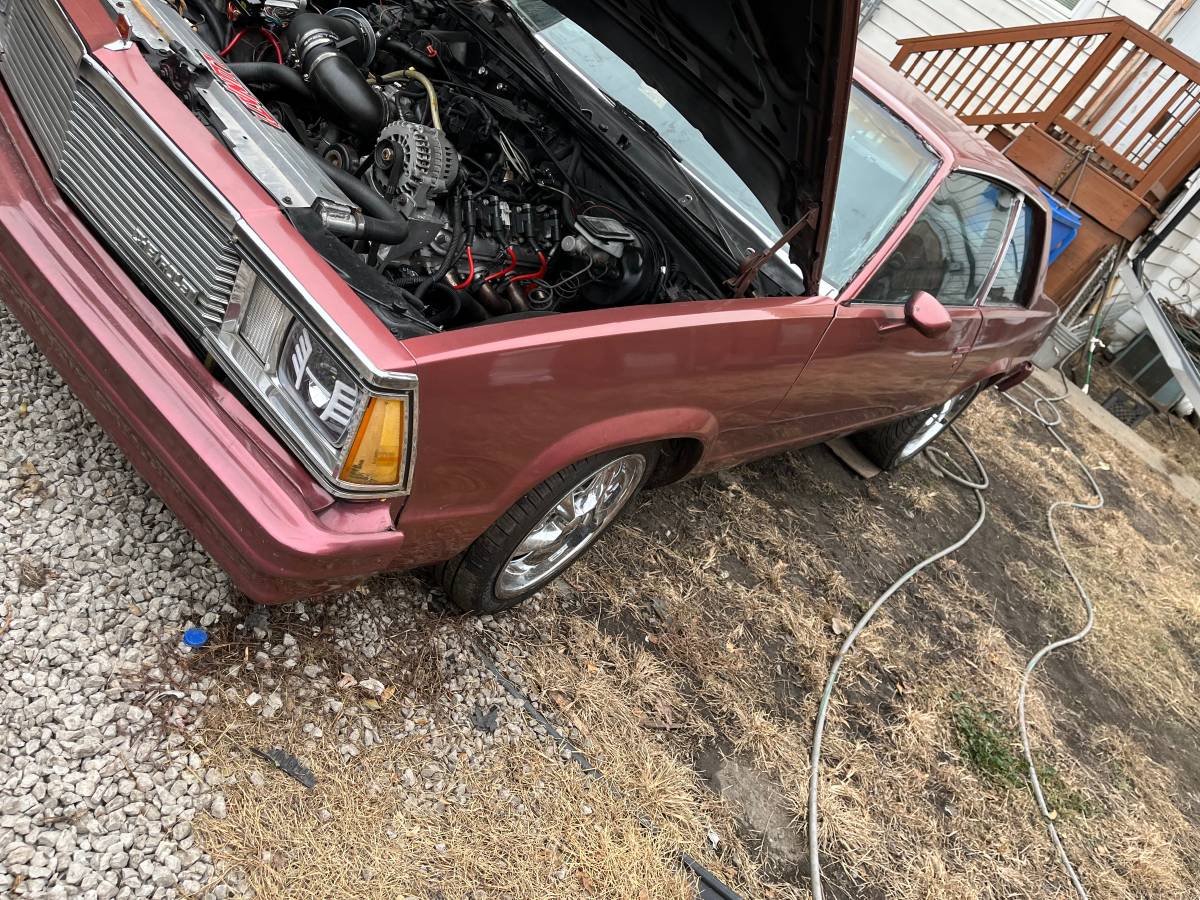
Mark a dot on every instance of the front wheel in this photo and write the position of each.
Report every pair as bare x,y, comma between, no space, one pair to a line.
891,446
545,531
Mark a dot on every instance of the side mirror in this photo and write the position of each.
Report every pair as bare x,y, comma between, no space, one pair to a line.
925,314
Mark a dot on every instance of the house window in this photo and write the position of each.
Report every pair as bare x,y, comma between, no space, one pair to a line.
1074,9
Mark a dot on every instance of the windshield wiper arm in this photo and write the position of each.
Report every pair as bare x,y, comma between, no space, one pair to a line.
645,127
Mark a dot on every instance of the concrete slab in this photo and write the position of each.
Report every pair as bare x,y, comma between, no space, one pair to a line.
1049,384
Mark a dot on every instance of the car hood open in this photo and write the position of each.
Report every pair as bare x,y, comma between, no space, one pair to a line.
766,82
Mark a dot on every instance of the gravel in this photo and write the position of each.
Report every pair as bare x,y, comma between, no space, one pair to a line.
100,705
97,789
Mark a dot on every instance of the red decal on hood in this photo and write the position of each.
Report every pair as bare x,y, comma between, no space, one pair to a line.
232,84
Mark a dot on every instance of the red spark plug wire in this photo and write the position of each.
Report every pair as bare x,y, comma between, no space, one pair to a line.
466,282
534,276
512,256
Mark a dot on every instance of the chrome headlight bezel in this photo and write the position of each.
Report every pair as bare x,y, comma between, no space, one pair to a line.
254,354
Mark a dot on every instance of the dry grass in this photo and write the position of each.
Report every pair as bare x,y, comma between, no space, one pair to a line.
524,825
903,811
701,631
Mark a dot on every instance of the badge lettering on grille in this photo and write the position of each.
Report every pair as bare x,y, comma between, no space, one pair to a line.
158,258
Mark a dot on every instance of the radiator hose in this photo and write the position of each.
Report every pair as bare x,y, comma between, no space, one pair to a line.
275,78
331,49
379,222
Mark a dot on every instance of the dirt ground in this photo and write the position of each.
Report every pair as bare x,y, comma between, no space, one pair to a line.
685,656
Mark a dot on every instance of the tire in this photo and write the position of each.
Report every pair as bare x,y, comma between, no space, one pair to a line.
892,445
491,576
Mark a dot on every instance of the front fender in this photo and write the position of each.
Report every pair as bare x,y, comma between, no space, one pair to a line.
642,427
438,531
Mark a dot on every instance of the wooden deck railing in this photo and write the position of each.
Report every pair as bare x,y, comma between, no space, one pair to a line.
1108,92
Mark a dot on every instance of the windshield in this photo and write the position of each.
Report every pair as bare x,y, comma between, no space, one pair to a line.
884,165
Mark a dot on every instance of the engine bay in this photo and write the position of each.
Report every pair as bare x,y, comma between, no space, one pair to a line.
454,194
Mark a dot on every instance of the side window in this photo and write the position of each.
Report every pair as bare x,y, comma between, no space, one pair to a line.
1011,278
951,249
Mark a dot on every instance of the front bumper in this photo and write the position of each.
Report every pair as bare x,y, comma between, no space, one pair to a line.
249,502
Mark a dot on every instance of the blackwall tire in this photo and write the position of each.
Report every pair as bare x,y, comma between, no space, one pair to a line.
892,445
546,531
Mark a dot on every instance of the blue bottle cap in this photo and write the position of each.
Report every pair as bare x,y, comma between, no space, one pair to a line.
195,637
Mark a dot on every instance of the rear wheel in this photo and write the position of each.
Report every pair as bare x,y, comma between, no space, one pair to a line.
545,531
891,446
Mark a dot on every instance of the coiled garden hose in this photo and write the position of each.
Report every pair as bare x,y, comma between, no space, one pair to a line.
1050,418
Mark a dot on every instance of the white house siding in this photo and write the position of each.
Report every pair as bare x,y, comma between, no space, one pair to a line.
1175,269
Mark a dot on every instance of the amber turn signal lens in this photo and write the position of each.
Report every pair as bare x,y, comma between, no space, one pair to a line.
378,450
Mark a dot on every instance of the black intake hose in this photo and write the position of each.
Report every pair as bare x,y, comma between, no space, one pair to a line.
215,24
371,201
384,231
287,81
333,76
381,223
407,54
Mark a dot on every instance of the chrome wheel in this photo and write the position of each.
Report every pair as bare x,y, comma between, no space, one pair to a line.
934,425
571,525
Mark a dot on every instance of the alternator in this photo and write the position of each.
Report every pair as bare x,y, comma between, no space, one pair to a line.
414,164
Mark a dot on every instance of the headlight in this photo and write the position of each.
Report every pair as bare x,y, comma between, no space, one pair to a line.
321,384
351,425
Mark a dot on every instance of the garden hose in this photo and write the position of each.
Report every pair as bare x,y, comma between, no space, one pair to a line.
1047,414
1098,319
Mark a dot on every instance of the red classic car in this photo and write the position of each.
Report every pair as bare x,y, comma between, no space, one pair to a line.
371,287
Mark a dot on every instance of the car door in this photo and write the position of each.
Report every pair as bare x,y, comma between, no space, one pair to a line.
1012,320
870,367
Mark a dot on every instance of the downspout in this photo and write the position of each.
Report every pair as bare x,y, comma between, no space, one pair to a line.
1157,239
1169,16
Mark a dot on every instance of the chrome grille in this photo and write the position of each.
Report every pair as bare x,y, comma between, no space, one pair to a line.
161,230
161,216
40,63
222,284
